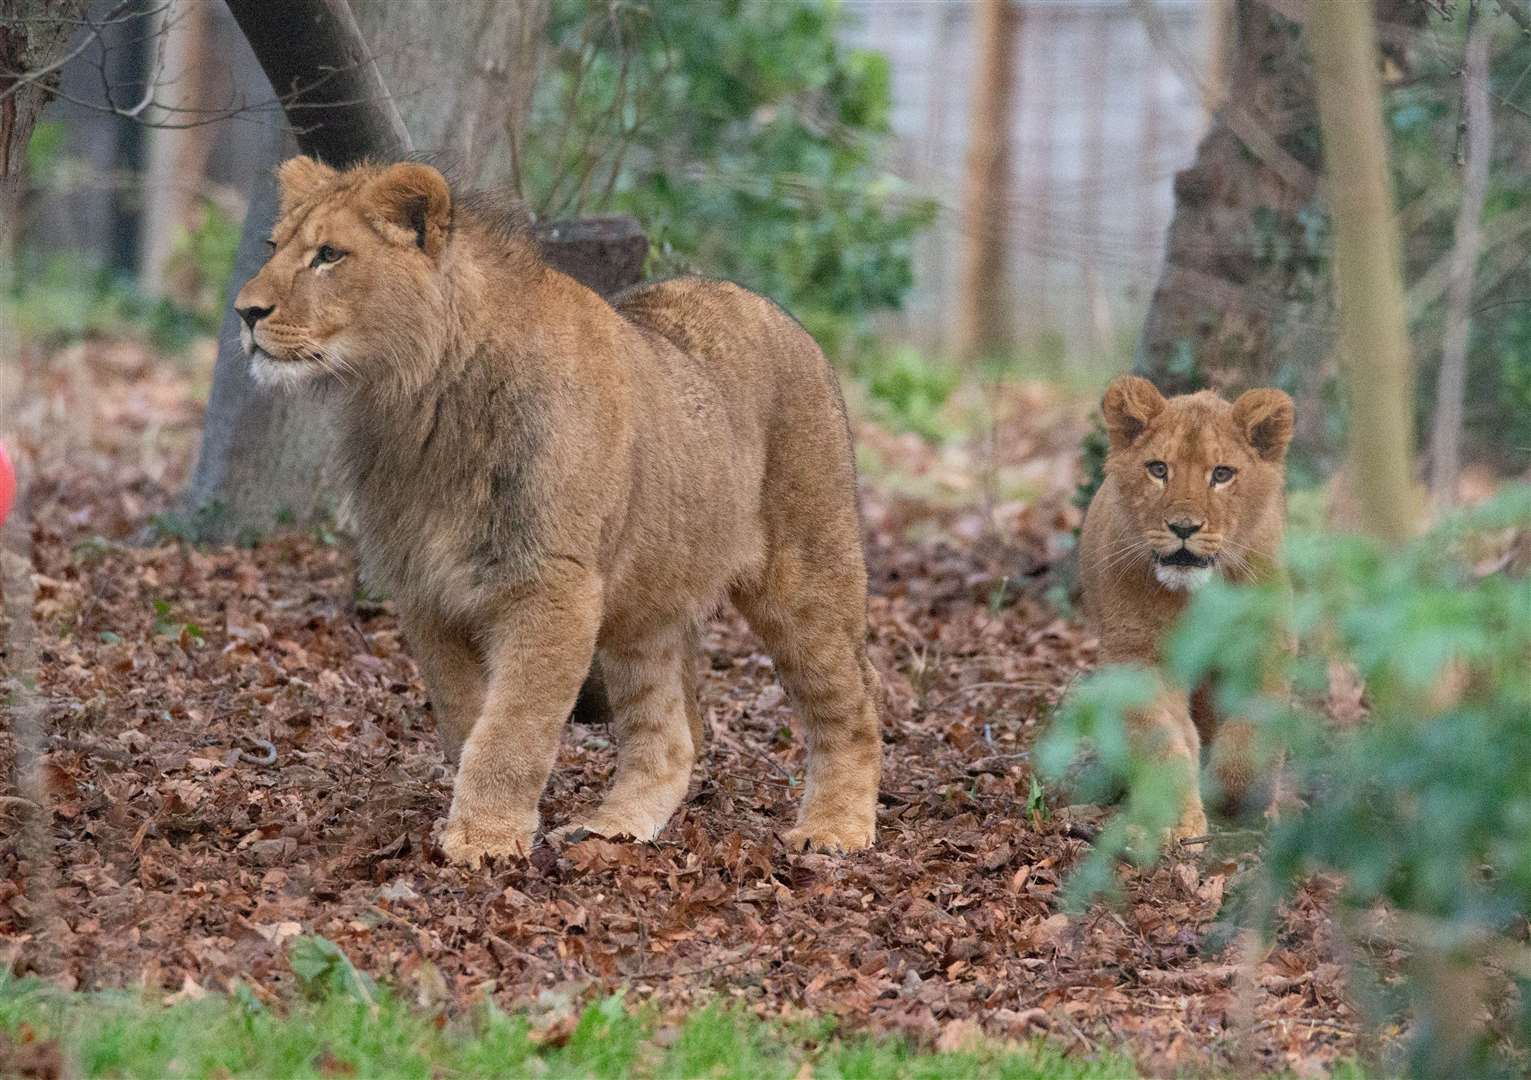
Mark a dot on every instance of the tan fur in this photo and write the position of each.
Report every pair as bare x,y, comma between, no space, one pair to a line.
543,480
1133,599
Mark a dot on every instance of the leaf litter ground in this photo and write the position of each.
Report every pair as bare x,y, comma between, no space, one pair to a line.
239,752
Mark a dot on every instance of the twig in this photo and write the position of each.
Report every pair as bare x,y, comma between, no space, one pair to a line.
90,749
963,691
266,759
1229,834
1518,15
1076,830
1464,76
708,969
1475,125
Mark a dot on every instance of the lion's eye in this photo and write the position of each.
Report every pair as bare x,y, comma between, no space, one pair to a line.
1223,473
325,254
271,245
1157,469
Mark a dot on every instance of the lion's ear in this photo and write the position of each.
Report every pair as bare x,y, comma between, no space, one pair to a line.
301,178
1266,418
1130,405
415,199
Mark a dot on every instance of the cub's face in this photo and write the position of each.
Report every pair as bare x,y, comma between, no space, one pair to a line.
350,290
1196,475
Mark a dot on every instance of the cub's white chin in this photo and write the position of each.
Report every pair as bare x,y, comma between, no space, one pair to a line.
281,375
1182,578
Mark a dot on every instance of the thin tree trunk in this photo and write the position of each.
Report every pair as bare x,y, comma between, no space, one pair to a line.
983,302
177,157
34,36
1451,381
1374,348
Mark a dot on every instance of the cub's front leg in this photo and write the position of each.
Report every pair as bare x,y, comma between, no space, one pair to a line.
537,654
1165,732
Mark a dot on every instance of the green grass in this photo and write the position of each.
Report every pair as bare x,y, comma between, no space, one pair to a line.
122,1034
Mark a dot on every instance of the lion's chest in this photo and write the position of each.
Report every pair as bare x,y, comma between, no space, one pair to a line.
444,501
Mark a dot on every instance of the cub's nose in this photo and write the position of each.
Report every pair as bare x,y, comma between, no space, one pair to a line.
252,315
1183,528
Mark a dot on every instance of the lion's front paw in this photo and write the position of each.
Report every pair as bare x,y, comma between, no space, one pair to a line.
1193,822
469,839
612,826
831,834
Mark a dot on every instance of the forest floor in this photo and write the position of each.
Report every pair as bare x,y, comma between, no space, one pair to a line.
239,752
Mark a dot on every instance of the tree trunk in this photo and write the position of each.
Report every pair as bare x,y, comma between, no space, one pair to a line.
1374,346
264,458
177,155
34,36
468,77
1215,314
1241,298
983,311
1451,382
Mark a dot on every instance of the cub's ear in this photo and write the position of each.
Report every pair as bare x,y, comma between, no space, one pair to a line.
1130,405
301,178
414,200
1265,417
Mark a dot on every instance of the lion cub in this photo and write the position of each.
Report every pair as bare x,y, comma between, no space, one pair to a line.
1194,486
544,481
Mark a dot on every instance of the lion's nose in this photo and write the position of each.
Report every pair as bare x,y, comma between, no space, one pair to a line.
252,314
1185,529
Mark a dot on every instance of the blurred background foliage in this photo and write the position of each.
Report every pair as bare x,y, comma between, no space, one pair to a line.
1423,115
749,143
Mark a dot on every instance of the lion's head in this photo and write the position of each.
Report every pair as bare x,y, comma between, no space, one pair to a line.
353,287
1198,478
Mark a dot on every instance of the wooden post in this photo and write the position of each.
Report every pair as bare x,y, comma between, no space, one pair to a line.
983,302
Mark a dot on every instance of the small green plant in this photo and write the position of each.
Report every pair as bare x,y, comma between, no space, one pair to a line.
1423,809
1036,801
167,625
324,970
910,389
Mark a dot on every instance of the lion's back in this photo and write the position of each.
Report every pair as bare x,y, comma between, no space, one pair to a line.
738,333
778,389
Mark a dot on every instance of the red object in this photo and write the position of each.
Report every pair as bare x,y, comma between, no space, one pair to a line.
7,485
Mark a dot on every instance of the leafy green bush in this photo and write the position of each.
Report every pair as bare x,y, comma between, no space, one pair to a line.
63,297
1424,808
747,141
909,388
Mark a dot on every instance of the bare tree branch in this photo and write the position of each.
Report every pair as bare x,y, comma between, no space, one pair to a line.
360,119
1451,383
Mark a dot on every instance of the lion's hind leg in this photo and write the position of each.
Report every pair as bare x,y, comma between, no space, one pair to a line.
656,724
812,622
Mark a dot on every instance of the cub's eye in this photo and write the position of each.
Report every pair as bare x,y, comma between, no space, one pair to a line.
1223,473
325,254
270,245
1157,469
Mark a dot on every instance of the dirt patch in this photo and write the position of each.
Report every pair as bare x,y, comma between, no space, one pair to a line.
239,752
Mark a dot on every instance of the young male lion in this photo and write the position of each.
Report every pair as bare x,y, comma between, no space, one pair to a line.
1194,486
540,478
